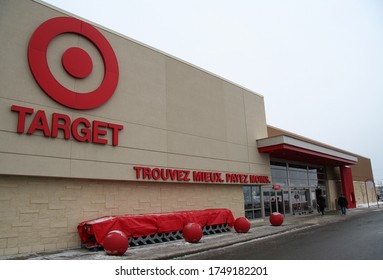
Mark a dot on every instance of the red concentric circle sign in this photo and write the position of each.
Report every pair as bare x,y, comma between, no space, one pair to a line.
75,61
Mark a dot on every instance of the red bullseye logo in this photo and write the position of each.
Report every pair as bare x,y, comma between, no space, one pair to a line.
76,62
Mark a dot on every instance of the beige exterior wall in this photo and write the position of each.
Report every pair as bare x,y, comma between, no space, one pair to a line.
174,115
364,195
332,194
41,214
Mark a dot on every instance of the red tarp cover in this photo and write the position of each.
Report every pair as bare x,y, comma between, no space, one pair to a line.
148,224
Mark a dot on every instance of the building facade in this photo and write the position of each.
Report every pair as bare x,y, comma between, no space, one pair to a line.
304,169
96,124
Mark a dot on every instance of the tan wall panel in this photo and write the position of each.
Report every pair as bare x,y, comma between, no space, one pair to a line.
94,169
364,195
235,114
260,169
121,155
238,167
360,193
362,170
15,143
10,118
34,165
196,163
144,137
255,118
333,192
258,158
195,101
237,152
185,144
141,94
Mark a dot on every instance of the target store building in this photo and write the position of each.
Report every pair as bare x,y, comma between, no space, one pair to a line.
95,124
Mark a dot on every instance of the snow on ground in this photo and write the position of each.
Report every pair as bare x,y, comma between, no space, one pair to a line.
370,205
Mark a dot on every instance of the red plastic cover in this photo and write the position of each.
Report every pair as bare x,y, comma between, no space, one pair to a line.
94,231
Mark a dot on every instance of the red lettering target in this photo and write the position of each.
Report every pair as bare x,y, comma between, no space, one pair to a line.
76,63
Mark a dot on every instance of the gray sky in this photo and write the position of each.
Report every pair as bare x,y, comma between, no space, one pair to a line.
318,63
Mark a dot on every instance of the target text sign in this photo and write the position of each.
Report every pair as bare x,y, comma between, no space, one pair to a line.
78,64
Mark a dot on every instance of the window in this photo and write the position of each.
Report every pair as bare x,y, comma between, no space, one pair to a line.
279,173
297,175
252,198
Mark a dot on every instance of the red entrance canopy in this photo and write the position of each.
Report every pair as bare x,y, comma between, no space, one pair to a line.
289,148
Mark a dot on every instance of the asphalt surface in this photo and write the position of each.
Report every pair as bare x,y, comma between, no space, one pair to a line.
358,238
260,229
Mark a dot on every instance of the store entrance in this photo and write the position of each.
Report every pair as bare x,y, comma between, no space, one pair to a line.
276,201
263,201
301,201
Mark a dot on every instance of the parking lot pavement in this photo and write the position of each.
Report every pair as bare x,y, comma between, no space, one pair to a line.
168,250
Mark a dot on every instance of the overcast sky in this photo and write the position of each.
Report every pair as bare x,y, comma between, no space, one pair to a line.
318,64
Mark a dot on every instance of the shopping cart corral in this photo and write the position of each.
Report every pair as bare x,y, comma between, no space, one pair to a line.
142,229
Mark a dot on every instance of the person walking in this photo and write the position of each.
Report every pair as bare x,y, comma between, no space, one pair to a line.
342,202
321,204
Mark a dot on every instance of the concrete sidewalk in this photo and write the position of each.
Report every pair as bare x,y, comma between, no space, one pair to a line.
169,250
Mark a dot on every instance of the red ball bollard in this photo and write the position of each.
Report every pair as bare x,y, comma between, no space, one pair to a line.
192,232
276,219
116,243
241,225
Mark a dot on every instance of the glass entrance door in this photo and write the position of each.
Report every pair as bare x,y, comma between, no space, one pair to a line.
301,202
286,201
276,201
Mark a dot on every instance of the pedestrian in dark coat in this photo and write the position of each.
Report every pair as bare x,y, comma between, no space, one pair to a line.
342,202
322,204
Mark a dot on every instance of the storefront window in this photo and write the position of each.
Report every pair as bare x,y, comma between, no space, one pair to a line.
279,173
247,198
298,182
297,175
297,167
252,198
316,177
